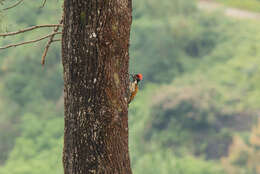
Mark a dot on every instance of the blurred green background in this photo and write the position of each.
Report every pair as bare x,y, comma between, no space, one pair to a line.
199,106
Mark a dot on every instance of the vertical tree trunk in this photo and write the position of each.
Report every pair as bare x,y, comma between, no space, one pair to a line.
95,59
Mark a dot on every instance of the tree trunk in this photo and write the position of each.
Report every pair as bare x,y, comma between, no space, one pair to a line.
95,44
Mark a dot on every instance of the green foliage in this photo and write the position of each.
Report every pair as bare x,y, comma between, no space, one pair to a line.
200,112
153,156
174,165
186,126
175,40
243,157
24,85
38,149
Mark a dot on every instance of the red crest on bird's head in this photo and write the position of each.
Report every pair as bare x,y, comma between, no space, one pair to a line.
139,76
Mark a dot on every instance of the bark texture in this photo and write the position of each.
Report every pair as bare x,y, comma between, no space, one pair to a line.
95,44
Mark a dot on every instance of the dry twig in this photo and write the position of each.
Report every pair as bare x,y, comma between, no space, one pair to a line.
51,36
31,41
47,48
49,43
14,5
29,29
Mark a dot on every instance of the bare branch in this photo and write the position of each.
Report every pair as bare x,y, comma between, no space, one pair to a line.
29,29
14,5
49,43
46,49
31,41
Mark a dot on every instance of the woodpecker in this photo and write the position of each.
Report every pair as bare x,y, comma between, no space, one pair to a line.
134,86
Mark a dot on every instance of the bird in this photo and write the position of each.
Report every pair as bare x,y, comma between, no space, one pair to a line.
134,86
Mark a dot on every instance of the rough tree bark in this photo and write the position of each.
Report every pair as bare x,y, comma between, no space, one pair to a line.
95,44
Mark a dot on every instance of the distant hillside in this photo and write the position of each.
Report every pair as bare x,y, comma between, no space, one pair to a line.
196,112
250,5
228,10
